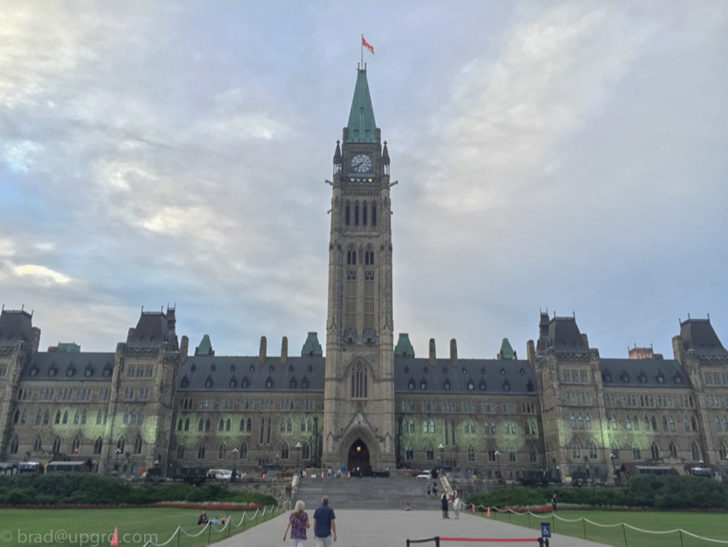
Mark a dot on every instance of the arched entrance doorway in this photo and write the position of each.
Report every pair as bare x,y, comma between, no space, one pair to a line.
358,457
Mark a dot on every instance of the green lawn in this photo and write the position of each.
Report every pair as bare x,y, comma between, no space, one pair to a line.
579,524
91,527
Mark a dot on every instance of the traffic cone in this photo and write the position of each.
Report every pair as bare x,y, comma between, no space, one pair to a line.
488,512
115,538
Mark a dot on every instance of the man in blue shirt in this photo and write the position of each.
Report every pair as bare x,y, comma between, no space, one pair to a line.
324,524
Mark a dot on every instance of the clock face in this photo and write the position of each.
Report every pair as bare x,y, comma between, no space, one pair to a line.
361,163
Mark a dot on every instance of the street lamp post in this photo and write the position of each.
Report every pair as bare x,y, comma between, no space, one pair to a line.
442,449
236,452
613,456
116,460
298,453
497,463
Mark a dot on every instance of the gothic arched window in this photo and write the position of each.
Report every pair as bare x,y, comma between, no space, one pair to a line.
359,382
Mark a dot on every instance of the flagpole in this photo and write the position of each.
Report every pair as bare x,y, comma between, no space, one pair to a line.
361,48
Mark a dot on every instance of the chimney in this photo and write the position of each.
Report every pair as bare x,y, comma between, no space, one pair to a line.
433,354
35,340
284,350
184,347
453,352
263,348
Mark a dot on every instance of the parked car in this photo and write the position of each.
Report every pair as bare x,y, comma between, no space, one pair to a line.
425,475
220,474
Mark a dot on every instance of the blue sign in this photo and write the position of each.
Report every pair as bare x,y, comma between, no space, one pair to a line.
545,529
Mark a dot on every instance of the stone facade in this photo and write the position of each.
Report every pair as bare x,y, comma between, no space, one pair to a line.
563,413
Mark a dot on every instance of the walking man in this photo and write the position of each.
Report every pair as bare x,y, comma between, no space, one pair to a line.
324,524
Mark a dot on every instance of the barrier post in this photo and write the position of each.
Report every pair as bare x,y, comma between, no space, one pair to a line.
583,522
679,531
624,533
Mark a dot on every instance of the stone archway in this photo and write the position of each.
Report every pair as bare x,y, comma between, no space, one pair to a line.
358,457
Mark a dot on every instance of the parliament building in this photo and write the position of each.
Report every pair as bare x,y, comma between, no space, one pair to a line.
561,412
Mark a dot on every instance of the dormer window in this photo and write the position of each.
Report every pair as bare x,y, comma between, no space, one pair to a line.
678,379
52,371
423,385
107,371
530,386
292,383
482,386
244,383
185,382
411,384
304,383
233,382
446,386
89,371
70,371
506,386
268,383
34,371
642,378
208,382
471,385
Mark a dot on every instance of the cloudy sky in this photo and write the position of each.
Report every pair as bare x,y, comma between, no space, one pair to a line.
569,157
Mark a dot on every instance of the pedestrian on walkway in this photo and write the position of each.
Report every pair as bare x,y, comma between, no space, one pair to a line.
443,505
297,522
324,524
553,502
457,504
429,487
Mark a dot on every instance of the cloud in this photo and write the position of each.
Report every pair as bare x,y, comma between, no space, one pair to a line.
40,274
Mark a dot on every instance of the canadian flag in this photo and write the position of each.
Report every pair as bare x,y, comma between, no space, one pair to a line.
367,45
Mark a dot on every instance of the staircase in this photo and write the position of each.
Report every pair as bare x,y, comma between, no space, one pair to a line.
367,493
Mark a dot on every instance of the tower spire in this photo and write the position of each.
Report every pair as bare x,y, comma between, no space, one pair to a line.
361,127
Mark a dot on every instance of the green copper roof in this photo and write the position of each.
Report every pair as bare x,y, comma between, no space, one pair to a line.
205,347
362,127
68,347
506,351
311,346
404,346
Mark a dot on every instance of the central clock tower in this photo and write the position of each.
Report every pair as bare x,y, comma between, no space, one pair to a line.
359,384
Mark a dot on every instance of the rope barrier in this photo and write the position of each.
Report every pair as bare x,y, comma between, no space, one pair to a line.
554,515
210,528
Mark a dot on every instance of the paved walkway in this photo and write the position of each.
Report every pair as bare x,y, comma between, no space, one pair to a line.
370,528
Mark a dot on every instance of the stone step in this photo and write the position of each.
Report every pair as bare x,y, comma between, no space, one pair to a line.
366,493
